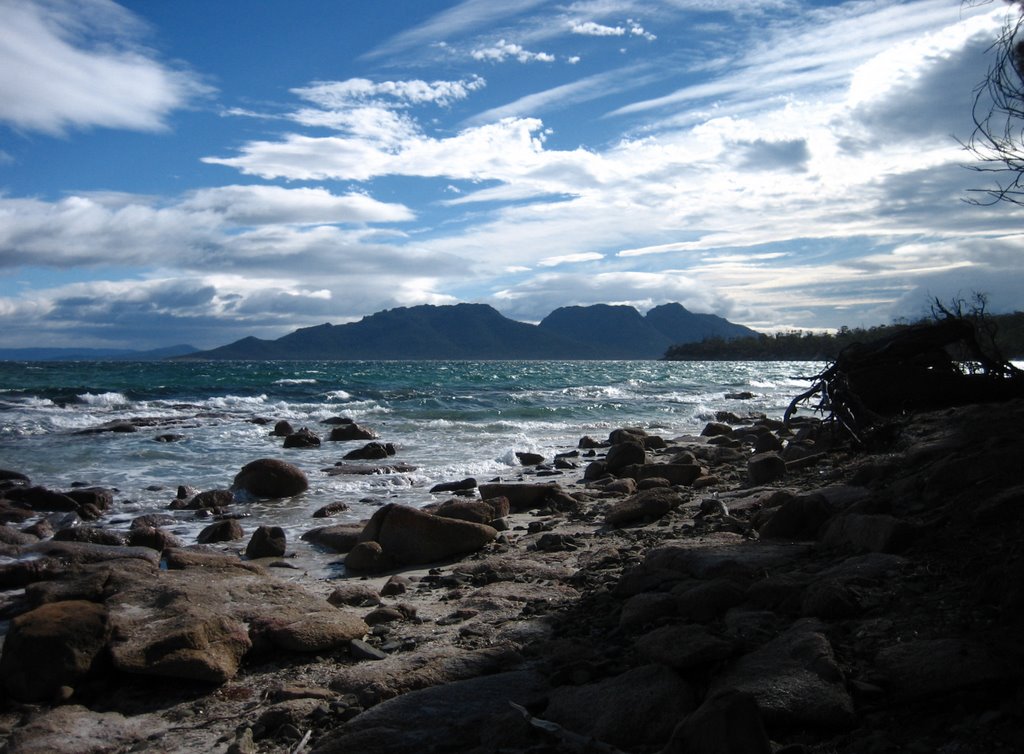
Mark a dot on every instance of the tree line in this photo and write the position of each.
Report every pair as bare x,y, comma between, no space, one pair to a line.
809,346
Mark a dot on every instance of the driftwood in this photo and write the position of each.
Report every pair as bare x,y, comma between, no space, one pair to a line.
922,367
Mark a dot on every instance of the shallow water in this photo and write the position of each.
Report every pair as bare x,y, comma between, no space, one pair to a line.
450,420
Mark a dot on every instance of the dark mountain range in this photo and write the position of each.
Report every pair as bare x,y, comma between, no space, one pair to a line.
621,332
477,331
93,354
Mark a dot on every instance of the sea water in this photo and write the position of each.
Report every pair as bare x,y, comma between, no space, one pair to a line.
449,420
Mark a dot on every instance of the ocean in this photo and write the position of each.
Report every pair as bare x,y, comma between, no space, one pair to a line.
450,420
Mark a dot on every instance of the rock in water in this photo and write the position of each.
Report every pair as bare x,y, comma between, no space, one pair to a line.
266,542
271,478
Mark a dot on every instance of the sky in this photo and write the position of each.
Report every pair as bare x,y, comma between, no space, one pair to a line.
197,172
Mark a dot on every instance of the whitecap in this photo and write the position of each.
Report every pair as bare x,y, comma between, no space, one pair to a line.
103,399
295,381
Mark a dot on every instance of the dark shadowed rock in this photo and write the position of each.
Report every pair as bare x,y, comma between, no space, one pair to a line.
765,467
926,668
871,532
683,647
153,538
271,478
728,722
798,518
638,708
52,646
43,499
624,454
795,680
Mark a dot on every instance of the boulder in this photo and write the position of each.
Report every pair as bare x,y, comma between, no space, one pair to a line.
868,532
521,497
190,641
331,509
317,632
529,459
624,454
715,429
799,518
92,535
675,473
638,708
763,468
649,504
266,542
271,478
683,647
303,438
55,645
338,538
153,538
43,499
480,511
283,428
460,486
227,530
728,722
351,431
408,536
913,671
795,680
372,451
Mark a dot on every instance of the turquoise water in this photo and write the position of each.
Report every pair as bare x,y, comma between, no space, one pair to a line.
450,420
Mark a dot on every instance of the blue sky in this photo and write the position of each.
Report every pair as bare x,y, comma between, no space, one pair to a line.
198,172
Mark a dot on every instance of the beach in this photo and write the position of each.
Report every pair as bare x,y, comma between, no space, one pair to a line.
745,586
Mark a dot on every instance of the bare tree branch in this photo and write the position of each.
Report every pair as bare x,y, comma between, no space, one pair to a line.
998,138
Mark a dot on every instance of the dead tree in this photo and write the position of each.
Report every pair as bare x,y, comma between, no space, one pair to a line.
911,370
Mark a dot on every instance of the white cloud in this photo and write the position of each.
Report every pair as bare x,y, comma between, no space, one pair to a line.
503,50
594,29
67,65
333,95
586,256
264,205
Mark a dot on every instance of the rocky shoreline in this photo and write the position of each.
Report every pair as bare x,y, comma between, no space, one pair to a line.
759,588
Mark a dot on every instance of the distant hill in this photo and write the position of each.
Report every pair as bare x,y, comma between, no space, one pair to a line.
93,354
477,331
621,332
